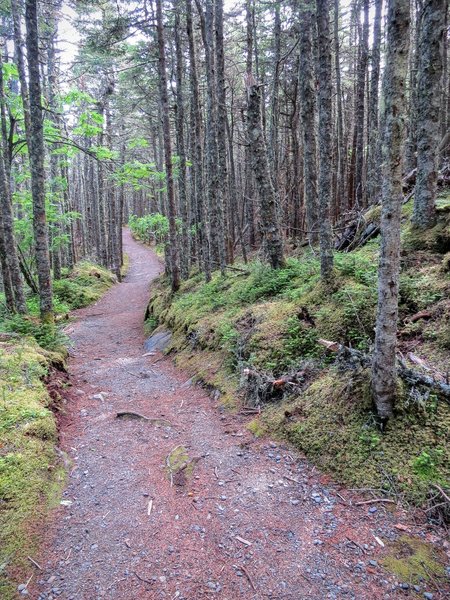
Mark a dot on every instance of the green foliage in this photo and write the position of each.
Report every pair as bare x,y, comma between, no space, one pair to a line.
414,561
47,335
427,462
137,174
150,229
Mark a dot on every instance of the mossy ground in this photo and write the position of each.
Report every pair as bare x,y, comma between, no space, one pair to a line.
413,560
271,321
333,423
30,476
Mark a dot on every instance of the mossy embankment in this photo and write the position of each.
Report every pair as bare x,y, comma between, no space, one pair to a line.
31,472
31,476
256,320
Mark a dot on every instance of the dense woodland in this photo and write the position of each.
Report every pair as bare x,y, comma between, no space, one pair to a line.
221,133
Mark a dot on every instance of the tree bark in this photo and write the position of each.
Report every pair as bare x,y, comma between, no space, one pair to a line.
198,149
308,119
374,145
384,376
325,143
173,242
272,240
431,45
181,149
340,177
360,196
36,155
12,280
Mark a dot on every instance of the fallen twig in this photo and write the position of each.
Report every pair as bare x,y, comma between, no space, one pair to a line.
28,582
385,500
356,544
35,563
441,491
291,479
341,497
243,540
244,570
143,578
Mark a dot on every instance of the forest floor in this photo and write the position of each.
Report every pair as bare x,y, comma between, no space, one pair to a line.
189,504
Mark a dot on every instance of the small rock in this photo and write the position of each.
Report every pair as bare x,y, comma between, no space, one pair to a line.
417,588
295,502
163,579
373,563
428,595
373,509
21,587
404,586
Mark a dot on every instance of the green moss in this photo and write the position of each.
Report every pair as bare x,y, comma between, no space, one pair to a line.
256,428
30,475
84,285
434,239
177,459
333,423
413,560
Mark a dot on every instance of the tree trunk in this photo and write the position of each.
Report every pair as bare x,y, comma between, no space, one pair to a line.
222,174
173,242
360,196
374,146
340,178
272,240
36,154
325,143
308,119
12,280
384,376
198,149
181,150
431,42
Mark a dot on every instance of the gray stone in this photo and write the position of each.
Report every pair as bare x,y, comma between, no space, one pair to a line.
428,595
158,341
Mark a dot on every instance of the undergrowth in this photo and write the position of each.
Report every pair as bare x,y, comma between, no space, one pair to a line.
270,321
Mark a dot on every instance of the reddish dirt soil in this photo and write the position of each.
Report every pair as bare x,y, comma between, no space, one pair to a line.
254,520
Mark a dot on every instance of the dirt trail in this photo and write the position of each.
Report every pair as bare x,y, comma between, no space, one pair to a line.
252,521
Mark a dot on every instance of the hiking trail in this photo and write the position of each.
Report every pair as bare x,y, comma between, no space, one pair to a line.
189,504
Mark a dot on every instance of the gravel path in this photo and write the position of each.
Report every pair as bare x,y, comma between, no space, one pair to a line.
251,521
